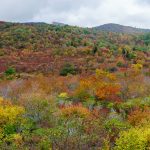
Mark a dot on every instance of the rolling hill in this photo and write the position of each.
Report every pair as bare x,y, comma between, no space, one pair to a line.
111,27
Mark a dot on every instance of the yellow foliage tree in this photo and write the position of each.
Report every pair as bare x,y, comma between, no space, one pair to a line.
11,118
9,114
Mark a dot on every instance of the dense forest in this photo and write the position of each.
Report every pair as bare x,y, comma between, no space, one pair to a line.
67,88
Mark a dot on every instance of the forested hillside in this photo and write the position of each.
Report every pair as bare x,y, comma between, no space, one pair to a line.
67,88
111,27
33,47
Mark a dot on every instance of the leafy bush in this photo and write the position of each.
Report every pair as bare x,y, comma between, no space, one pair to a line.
11,121
68,69
10,71
131,56
133,139
120,64
139,117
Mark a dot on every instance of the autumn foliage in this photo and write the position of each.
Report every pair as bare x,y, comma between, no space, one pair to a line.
75,110
70,88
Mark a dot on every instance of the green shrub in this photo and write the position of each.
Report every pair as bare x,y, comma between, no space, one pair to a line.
9,129
10,71
131,56
120,64
68,69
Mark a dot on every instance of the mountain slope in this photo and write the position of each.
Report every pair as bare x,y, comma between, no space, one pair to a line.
40,47
120,28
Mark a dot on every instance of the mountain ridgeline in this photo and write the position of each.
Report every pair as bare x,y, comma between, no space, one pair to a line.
112,27
120,29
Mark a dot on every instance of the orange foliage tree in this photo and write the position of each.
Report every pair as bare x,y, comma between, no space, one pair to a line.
139,117
103,86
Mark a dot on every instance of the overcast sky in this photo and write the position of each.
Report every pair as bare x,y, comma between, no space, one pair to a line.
84,13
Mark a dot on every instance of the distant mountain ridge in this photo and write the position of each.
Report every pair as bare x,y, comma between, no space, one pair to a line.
111,27
58,24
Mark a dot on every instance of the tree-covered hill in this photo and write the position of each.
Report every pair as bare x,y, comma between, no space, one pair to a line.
111,27
32,47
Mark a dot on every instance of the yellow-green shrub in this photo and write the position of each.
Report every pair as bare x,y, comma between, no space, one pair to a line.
9,114
134,139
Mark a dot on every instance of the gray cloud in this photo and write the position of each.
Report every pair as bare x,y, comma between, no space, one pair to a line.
78,12
20,10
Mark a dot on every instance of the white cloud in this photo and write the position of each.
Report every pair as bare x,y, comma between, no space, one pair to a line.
78,12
